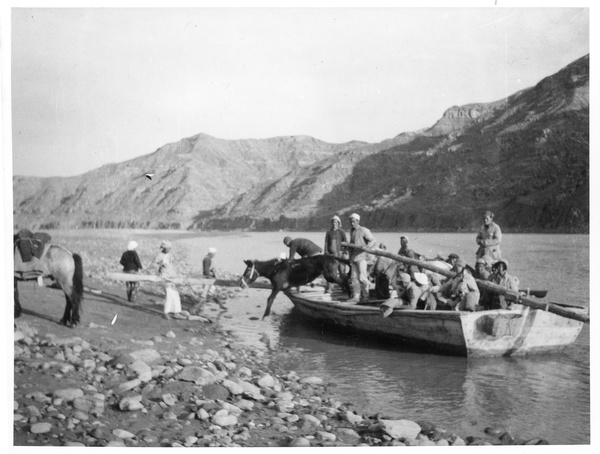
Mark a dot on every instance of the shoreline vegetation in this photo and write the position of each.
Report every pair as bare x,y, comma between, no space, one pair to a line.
159,383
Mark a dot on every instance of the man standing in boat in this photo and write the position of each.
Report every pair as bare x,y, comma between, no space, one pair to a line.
334,238
489,238
360,236
301,246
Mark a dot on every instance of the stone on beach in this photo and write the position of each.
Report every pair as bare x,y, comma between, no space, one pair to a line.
120,433
68,394
143,370
147,355
233,387
41,428
131,403
197,375
312,381
401,428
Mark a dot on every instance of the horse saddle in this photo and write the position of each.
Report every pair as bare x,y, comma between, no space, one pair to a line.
30,248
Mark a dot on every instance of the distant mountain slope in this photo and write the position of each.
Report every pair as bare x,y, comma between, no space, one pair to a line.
526,157
197,173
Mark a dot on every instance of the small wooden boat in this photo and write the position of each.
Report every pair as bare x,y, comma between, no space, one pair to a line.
519,331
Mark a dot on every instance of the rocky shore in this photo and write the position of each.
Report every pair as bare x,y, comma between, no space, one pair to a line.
70,392
138,380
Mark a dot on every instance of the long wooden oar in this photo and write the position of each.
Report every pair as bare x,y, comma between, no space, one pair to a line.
509,294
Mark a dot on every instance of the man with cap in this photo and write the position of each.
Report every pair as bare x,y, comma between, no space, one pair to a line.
481,269
360,236
131,264
208,269
460,292
302,246
452,258
489,238
409,293
334,238
500,276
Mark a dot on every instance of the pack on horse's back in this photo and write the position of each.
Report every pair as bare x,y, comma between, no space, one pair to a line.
285,274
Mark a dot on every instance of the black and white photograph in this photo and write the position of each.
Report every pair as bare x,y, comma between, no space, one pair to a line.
299,224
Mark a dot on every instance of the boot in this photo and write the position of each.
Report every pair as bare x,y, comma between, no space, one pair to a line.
364,296
355,287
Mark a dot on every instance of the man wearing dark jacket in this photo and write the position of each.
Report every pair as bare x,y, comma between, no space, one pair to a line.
301,246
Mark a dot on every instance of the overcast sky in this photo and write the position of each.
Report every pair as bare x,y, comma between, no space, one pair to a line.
92,86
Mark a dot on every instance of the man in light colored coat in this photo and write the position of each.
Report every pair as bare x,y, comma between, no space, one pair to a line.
360,236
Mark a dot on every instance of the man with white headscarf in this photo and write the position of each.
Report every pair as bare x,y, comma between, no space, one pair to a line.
208,269
334,238
166,269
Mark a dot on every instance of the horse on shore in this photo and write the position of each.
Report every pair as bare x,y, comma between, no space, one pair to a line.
65,267
285,274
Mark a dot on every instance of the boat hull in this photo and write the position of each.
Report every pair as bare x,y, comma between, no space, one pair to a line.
515,332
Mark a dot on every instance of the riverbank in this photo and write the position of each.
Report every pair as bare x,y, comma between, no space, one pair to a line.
128,377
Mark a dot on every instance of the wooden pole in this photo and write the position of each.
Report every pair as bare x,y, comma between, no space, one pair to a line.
485,285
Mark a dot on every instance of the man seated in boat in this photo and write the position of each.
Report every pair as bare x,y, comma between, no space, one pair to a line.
481,269
383,273
459,292
501,277
301,246
410,293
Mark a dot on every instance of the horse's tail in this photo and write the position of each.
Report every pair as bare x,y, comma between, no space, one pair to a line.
77,293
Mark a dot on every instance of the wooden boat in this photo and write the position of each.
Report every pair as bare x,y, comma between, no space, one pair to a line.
519,331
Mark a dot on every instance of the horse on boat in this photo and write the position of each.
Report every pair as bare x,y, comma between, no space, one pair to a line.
285,274
57,262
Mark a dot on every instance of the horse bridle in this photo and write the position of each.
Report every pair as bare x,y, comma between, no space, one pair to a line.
252,271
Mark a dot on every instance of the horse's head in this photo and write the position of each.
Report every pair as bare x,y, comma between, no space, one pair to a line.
250,274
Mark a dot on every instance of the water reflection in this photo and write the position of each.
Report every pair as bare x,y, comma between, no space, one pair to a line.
546,396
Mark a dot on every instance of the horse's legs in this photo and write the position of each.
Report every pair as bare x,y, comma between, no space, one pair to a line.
333,273
270,300
66,320
18,309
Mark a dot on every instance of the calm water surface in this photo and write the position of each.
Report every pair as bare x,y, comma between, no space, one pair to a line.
544,396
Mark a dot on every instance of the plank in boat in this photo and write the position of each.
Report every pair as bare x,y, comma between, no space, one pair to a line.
133,277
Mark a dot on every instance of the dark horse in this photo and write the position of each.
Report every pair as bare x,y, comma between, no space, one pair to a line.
285,274
62,265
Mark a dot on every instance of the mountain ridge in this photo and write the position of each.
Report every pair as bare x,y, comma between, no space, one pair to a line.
502,155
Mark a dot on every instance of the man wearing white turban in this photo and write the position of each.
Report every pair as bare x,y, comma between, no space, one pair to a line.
334,238
208,269
166,269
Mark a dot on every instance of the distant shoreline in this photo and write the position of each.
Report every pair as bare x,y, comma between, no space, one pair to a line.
213,233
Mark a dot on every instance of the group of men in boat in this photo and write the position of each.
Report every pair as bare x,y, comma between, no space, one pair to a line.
410,286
